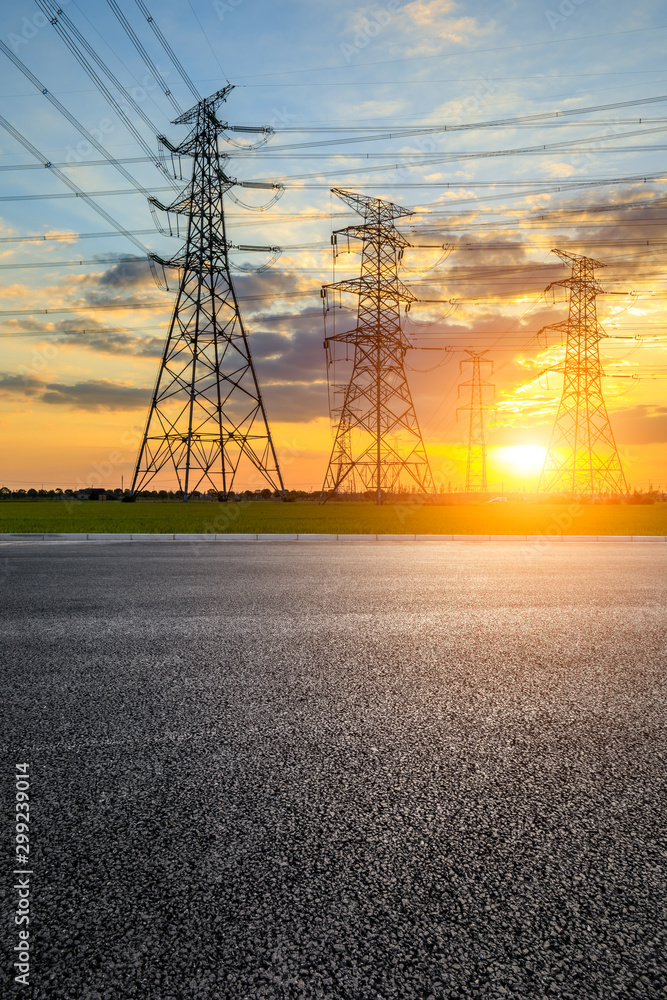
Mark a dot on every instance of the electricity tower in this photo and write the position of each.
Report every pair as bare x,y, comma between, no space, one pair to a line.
476,465
206,422
350,484
378,440
582,459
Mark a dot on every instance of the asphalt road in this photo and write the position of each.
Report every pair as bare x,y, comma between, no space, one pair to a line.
346,770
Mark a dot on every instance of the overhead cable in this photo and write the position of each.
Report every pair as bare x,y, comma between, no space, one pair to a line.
70,184
406,132
63,23
73,121
168,49
102,87
131,34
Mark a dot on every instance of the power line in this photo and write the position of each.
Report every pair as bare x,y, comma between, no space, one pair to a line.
455,157
57,195
79,163
457,53
207,40
73,121
99,83
167,48
73,236
129,31
133,305
429,81
62,23
70,184
70,263
536,118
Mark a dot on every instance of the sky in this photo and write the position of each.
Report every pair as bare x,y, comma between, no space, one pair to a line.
565,108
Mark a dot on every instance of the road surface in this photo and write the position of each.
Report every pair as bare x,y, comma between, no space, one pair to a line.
338,770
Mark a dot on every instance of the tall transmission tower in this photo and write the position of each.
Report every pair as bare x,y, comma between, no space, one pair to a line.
582,458
476,465
378,438
206,423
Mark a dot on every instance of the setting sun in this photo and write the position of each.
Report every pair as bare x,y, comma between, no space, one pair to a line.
523,460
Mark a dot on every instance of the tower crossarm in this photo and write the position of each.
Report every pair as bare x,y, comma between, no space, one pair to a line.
591,370
366,285
208,104
182,205
574,260
373,209
477,383
388,234
569,283
393,341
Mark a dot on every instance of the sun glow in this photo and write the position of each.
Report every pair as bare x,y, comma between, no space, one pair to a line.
523,460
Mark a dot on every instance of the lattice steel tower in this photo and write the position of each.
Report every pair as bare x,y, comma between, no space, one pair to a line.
207,418
476,465
582,459
378,438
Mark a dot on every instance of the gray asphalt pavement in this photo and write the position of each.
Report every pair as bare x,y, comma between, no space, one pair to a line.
365,771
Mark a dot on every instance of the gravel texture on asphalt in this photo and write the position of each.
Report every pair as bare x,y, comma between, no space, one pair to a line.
365,771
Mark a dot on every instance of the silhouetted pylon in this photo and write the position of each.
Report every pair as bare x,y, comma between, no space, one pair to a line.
378,439
476,465
206,419
582,458
345,458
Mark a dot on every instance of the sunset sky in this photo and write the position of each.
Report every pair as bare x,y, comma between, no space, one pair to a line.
337,82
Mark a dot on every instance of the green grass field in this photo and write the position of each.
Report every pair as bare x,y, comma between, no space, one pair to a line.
307,516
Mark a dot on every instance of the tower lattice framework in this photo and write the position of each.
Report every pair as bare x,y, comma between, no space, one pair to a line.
207,423
378,441
476,464
582,458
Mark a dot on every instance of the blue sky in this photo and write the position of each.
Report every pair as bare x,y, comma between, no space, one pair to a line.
337,71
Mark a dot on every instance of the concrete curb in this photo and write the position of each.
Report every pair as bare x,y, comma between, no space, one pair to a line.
529,539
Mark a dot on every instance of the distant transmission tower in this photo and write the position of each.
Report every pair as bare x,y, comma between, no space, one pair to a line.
378,439
476,466
582,459
349,482
207,417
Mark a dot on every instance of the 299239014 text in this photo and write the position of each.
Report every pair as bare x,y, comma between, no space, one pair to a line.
22,951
